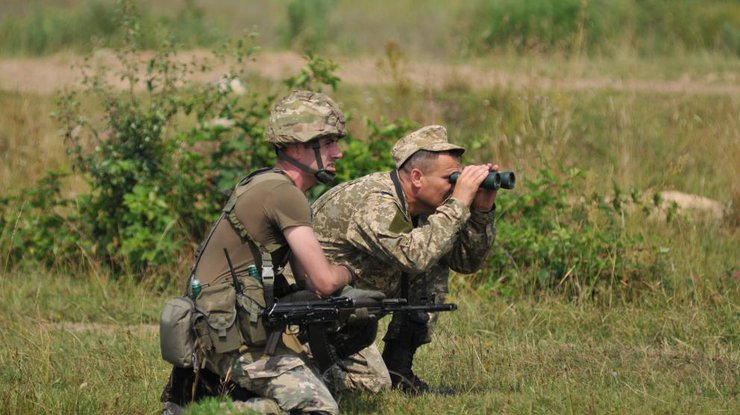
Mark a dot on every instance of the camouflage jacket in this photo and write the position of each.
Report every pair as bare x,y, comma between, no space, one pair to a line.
363,224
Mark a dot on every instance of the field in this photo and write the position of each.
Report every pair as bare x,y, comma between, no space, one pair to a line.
600,295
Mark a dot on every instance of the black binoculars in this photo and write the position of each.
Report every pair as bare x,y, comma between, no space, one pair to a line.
494,180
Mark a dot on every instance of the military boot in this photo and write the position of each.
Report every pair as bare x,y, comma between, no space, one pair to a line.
399,359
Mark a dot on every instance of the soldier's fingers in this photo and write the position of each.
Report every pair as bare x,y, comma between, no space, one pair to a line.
475,174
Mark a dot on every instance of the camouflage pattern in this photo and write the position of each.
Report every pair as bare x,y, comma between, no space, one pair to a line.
430,138
302,116
364,225
264,406
364,371
251,406
285,379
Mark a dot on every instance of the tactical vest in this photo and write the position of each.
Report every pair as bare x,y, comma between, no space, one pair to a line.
224,317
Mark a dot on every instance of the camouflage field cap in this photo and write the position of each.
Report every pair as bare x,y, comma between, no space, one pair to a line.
302,116
430,138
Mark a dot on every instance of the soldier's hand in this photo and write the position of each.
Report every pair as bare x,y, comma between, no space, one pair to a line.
466,187
358,293
484,198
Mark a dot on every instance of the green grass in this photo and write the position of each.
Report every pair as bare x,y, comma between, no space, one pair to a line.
439,29
643,140
27,139
80,341
547,355
74,344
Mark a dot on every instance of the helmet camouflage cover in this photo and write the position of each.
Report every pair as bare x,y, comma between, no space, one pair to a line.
302,116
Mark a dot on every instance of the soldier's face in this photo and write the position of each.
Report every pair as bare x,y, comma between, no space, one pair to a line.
329,151
435,186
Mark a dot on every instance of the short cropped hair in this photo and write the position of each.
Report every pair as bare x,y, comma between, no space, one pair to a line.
423,160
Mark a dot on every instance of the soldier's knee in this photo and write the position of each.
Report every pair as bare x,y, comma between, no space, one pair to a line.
329,408
410,328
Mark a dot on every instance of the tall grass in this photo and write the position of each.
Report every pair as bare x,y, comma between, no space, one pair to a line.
81,348
92,24
75,340
77,345
605,27
460,29
28,140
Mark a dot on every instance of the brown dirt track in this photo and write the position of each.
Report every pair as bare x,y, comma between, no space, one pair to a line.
47,74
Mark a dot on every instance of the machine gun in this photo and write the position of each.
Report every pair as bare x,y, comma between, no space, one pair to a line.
350,322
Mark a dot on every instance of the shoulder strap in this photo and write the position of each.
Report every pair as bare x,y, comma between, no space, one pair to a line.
228,213
259,251
399,190
236,223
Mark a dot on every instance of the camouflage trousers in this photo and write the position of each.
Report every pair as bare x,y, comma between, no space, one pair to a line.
286,379
365,370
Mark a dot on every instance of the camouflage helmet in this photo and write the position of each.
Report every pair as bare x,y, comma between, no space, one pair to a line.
302,116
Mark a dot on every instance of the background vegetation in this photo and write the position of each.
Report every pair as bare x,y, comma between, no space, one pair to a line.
461,30
597,297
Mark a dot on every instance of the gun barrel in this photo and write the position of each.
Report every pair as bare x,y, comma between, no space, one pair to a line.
431,308
340,308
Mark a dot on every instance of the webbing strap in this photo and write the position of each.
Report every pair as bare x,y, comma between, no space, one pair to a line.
399,193
268,279
399,190
229,214
258,250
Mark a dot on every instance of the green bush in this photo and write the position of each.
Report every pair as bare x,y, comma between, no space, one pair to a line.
160,160
373,154
39,225
97,24
598,26
553,238
158,163
308,23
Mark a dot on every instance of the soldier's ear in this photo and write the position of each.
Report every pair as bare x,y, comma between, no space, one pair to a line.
415,177
294,151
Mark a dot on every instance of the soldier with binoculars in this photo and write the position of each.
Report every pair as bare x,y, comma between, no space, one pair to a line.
401,232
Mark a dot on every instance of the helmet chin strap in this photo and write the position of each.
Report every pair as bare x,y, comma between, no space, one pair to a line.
321,175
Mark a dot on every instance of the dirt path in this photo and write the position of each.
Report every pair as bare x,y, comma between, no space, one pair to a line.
47,74
105,329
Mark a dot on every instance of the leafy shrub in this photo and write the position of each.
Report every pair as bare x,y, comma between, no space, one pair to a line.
159,162
363,157
308,23
597,26
544,25
40,225
96,24
553,238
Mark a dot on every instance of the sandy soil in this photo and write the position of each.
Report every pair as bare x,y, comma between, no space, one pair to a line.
107,329
47,74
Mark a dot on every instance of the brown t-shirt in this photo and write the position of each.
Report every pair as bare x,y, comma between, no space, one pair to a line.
270,204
